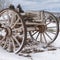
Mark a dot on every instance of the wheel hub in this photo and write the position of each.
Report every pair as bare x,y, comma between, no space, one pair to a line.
4,32
9,31
42,28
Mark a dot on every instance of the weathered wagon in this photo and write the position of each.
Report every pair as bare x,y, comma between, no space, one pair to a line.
42,26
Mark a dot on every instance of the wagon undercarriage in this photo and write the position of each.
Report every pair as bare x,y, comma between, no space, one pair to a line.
15,28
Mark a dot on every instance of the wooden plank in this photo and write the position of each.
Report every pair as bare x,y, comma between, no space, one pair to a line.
33,23
32,29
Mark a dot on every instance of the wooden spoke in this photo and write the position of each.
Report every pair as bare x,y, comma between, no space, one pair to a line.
13,44
18,29
4,46
48,23
34,33
44,38
16,40
15,23
9,45
13,19
37,36
41,37
52,32
52,27
48,35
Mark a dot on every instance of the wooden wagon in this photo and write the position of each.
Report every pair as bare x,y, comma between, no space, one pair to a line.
41,26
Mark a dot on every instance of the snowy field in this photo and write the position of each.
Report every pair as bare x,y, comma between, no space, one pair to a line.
47,55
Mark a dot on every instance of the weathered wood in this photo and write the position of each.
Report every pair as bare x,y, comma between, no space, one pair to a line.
33,23
32,29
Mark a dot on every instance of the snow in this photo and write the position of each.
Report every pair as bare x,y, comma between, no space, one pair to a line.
47,55
4,55
57,41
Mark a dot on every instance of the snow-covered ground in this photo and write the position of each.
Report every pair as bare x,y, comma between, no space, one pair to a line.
47,55
4,55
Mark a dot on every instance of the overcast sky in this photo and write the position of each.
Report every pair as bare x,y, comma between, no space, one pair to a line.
50,5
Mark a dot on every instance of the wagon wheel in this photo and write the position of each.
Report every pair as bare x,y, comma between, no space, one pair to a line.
47,30
12,30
